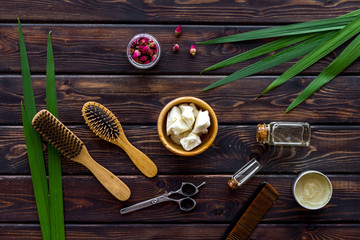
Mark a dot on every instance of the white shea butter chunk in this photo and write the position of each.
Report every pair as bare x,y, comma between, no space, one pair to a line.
202,122
172,116
196,111
178,127
190,142
176,138
187,113
185,123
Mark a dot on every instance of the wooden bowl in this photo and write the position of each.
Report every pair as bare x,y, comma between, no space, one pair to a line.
206,139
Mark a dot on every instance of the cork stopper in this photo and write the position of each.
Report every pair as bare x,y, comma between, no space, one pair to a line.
233,184
261,133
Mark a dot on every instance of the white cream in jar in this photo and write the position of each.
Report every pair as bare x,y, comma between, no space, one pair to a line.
312,190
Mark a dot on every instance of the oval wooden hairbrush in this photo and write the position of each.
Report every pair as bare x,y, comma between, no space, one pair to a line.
105,125
55,132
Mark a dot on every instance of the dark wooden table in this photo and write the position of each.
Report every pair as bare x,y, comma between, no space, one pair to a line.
89,41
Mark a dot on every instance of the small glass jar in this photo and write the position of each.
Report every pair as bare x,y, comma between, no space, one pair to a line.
244,174
143,59
284,133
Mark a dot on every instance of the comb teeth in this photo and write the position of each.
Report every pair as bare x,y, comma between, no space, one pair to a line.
234,236
55,132
245,222
101,120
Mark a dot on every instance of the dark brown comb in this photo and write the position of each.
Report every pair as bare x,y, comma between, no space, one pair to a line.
72,147
57,134
249,216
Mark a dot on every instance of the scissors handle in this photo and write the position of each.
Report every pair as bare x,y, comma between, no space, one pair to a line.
185,204
144,204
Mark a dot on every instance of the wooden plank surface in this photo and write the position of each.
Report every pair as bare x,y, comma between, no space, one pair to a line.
139,99
89,40
185,231
86,200
205,11
101,48
332,150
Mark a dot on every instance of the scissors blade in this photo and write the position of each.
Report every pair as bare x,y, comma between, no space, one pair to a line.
202,184
144,204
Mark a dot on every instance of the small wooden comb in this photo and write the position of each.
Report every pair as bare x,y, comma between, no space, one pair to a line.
55,132
249,216
105,125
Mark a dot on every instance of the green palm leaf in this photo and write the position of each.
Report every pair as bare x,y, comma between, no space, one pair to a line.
261,50
33,143
37,175
321,51
288,30
286,55
54,160
346,57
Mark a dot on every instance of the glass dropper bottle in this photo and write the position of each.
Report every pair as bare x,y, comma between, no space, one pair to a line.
244,173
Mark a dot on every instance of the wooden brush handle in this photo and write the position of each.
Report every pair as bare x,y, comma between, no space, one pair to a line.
112,183
141,161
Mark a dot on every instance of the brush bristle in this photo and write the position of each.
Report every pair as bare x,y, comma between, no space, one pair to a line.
101,121
55,132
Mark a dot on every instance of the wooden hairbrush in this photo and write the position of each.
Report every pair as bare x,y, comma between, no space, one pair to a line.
55,132
105,125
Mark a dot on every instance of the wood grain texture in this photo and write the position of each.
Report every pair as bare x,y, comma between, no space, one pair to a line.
89,42
332,150
86,201
185,231
101,48
139,99
209,11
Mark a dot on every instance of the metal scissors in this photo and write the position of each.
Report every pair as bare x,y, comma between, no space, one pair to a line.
187,190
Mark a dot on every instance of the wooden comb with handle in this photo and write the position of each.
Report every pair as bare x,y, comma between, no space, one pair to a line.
55,132
105,125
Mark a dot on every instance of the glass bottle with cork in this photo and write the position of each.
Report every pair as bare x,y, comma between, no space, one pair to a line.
284,133
244,174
